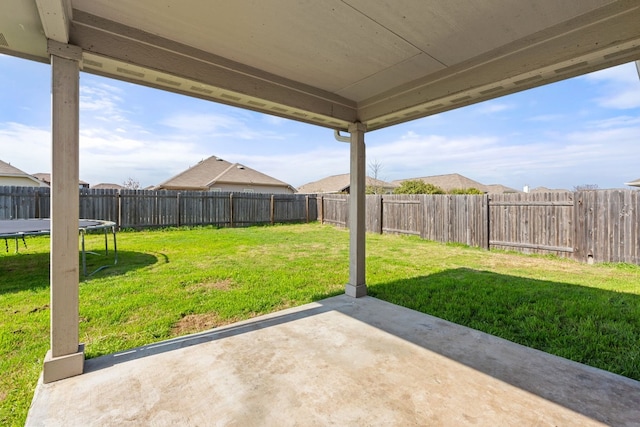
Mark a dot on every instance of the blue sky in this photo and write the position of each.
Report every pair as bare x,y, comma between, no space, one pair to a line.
581,131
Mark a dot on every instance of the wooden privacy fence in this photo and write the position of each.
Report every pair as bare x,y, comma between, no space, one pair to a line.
589,226
144,208
440,218
24,202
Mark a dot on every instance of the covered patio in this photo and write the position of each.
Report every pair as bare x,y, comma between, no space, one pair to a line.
340,361
351,66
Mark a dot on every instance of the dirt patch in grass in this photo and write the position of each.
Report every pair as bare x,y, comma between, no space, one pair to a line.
219,285
37,309
3,395
192,323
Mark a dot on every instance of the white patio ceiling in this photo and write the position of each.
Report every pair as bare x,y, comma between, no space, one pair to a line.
332,62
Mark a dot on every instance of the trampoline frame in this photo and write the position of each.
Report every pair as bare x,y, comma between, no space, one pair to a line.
42,226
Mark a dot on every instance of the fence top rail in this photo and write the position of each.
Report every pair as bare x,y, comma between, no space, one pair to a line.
400,202
532,203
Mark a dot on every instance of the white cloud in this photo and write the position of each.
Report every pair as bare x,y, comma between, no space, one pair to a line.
545,118
297,168
202,123
102,102
202,126
493,107
622,100
619,87
615,122
274,120
603,153
27,148
104,157
624,74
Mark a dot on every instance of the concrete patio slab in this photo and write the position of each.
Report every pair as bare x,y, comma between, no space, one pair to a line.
340,361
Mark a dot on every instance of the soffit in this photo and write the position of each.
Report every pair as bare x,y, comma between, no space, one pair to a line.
334,62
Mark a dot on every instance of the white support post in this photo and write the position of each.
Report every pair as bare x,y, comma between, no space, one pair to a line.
66,356
357,286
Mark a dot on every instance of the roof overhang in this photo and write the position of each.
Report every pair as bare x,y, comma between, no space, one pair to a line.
334,62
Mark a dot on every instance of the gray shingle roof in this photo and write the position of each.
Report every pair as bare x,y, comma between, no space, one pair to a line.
107,186
338,184
215,170
500,189
46,178
548,190
7,169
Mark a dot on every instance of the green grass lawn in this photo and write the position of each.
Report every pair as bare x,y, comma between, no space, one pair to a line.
174,282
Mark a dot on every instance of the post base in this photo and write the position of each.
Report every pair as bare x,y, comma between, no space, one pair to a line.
59,368
356,291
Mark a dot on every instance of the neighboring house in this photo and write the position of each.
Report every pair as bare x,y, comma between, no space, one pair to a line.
635,183
216,174
500,189
342,184
548,190
448,182
46,178
107,186
12,176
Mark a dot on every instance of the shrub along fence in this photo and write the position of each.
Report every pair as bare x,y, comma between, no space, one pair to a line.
144,208
589,226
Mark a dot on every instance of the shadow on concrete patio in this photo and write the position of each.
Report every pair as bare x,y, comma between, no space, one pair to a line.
339,361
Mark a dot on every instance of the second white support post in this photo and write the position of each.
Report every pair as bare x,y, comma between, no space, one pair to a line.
357,285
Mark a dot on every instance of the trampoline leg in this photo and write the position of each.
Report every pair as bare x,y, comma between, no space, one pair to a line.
84,254
115,245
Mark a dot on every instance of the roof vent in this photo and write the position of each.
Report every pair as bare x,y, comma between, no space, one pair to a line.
168,81
240,167
92,63
202,90
219,159
130,72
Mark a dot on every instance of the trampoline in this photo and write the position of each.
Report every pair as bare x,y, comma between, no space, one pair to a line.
18,229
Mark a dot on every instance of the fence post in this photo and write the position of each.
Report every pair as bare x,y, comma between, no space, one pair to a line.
119,208
231,210
271,209
37,213
178,210
321,209
486,213
306,206
380,212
